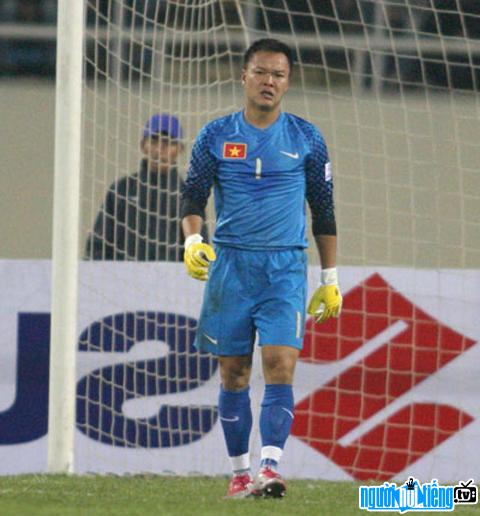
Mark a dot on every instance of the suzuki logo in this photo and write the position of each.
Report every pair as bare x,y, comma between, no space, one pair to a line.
387,346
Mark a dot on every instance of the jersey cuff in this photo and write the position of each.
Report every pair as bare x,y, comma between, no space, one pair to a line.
324,227
192,207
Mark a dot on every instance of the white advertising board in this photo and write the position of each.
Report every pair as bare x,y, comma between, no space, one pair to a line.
388,390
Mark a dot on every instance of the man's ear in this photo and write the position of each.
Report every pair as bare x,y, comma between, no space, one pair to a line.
143,141
242,77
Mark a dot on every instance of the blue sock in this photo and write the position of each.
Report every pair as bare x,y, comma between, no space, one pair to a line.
276,419
235,415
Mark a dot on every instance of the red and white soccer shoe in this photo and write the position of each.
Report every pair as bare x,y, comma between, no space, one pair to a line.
269,483
240,486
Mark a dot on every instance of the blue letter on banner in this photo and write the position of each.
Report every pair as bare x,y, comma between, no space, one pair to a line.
101,394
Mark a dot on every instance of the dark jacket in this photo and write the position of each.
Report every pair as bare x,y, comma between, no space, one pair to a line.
140,219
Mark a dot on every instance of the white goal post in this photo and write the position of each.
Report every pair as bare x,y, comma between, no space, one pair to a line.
394,87
66,216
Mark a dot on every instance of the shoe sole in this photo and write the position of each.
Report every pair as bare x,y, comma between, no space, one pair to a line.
273,489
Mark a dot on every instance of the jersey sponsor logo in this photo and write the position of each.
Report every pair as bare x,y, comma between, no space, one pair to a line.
233,150
295,155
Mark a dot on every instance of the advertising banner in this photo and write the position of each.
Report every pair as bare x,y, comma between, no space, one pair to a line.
387,390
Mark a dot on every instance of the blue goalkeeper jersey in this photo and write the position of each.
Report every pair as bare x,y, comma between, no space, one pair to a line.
261,178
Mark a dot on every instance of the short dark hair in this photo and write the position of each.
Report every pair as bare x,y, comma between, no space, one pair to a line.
268,45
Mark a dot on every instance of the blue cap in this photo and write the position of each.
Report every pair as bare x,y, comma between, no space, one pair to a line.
163,125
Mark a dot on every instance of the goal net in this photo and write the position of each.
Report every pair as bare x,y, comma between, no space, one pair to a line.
386,390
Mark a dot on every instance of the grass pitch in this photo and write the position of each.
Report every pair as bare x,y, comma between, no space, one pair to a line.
52,495
36,495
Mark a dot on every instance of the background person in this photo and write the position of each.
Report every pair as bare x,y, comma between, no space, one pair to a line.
140,217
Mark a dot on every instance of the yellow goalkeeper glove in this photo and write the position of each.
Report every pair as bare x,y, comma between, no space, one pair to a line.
326,301
197,257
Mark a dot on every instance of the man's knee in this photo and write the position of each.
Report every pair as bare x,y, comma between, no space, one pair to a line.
279,364
235,372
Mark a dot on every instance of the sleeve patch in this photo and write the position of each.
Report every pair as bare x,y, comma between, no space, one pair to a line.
328,171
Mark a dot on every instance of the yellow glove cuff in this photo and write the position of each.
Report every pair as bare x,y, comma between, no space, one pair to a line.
329,276
196,238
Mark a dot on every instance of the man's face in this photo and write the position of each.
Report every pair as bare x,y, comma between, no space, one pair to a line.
160,152
265,80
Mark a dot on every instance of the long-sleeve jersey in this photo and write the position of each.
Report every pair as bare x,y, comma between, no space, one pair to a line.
261,178
139,219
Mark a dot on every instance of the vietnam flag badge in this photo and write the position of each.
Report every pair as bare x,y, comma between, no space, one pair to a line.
234,150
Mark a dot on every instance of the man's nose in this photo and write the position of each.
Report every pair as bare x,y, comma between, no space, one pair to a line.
269,78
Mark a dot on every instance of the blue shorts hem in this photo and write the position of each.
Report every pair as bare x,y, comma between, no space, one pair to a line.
297,345
220,351
241,350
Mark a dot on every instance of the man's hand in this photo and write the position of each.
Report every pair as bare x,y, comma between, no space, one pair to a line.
197,257
326,301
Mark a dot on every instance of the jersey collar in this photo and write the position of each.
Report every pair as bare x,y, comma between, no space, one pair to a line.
248,126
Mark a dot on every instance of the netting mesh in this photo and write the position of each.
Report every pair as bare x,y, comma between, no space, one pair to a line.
393,86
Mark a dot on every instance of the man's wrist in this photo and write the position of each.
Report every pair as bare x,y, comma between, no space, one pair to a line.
196,238
329,276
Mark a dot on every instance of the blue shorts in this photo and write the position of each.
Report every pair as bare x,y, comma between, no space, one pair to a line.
249,292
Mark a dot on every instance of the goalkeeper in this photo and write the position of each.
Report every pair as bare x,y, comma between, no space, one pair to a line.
263,163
